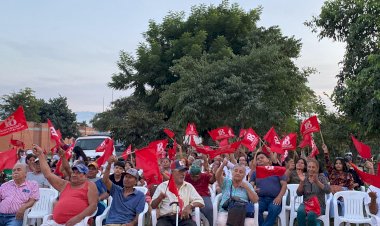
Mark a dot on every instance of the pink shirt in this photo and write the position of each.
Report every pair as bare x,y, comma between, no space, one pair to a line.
12,197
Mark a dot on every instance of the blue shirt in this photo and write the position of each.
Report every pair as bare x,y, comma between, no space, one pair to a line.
269,186
124,209
239,192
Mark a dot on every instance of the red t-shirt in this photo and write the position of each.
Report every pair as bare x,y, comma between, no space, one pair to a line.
201,185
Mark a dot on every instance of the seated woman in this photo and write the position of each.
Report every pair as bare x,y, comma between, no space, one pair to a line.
292,174
237,188
313,184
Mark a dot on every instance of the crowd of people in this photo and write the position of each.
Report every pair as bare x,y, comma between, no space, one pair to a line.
85,187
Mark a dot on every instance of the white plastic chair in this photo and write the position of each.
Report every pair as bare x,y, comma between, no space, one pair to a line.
41,208
353,211
295,202
326,218
83,222
218,198
212,193
196,217
141,219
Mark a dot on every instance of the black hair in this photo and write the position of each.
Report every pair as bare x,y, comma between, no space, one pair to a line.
304,163
343,161
119,163
29,156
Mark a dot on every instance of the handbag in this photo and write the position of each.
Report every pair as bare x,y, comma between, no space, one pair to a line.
313,205
235,201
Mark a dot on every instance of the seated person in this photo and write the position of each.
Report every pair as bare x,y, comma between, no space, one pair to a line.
38,176
127,202
270,190
163,198
78,196
236,187
16,196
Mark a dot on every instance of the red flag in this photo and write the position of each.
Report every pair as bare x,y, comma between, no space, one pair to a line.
223,143
54,135
289,142
169,133
221,133
363,149
172,187
306,141
107,152
242,133
367,178
17,143
8,159
314,149
126,152
229,149
172,151
310,125
265,149
267,171
160,146
191,129
146,159
251,139
68,154
275,144
204,149
103,145
284,156
192,141
14,123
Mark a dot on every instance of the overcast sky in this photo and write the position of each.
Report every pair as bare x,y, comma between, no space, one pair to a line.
71,47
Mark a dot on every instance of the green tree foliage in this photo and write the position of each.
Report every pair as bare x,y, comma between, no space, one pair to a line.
26,98
355,22
130,121
215,67
57,110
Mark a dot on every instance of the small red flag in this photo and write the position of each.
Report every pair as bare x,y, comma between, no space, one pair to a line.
172,151
229,149
289,142
272,138
204,149
160,146
146,159
314,149
68,154
126,152
306,141
242,133
191,129
251,139
221,133
223,143
192,141
363,149
108,151
173,189
310,125
54,134
367,178
267,171
169,133
8,159
14,123
103,145
17,143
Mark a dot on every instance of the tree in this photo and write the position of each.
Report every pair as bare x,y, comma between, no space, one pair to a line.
214,67
27,99
356,23
57,110
130,121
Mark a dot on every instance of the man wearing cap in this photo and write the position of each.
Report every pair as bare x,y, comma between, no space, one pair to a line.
78,197
201,181
102,190
163,198
127,202
37,175
16,196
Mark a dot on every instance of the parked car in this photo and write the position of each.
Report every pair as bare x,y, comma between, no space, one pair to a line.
89,145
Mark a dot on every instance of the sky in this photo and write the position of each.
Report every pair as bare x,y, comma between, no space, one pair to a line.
70,48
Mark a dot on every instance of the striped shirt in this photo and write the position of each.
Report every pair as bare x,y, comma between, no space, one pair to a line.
13,197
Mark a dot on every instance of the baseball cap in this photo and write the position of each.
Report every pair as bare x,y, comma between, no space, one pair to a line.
195,170
133,172
94,164
82,168
178,165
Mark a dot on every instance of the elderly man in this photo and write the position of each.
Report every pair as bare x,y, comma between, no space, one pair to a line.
78,197
16,196
127,202
163,198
